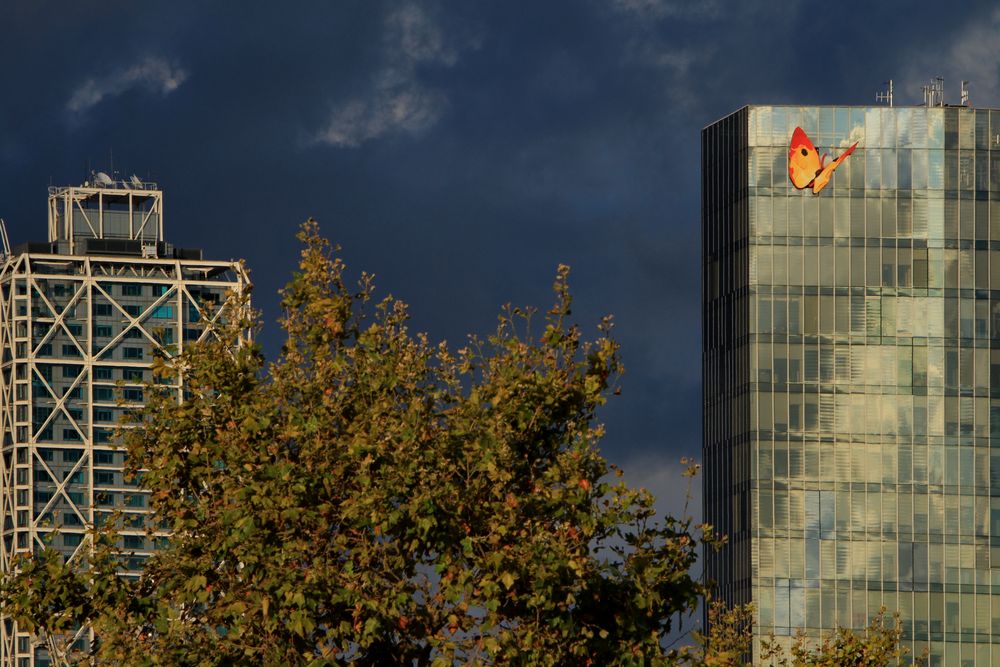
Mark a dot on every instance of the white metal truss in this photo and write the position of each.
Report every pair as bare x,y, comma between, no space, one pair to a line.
77,336
132,211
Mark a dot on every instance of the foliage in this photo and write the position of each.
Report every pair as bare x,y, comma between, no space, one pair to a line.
374,499
878,646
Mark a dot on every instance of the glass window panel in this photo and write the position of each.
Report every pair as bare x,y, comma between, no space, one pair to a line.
935,169
873,169
889,162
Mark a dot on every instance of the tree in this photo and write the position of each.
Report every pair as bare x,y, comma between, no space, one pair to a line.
371,498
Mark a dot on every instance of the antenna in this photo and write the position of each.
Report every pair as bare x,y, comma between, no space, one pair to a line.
965,93
886,95
103,179
934,92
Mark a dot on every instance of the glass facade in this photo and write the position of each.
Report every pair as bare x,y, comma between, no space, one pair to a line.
852,373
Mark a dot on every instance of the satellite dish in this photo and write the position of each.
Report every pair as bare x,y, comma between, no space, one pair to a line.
103,179
136,181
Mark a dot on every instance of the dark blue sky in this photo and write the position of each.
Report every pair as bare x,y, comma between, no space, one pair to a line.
459,150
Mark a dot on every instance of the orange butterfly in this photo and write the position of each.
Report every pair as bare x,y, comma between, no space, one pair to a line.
805,166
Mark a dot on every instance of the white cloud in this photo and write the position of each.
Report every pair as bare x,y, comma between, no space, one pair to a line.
154,74
396,101
972,54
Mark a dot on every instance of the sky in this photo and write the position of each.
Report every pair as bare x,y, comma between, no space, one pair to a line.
460,151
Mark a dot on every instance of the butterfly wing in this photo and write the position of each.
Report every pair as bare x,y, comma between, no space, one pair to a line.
804,164
826,173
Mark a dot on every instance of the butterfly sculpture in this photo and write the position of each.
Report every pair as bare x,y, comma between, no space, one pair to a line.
805,166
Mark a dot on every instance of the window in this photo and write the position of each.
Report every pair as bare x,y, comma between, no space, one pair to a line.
70,371
104,458
135,500
75,478
102,435
102,310
72,539
75,329
76,413
70,434
131,289
71,519
76,497
104,477
45,350
71,455
47,454
103,415
163,312
135,542
43,496
132,394
134,332
70,351
133,310
102,331
104,394
160,290
103,373
132,375
132,353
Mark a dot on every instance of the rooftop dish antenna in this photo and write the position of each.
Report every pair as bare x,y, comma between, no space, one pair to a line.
103,179
885,95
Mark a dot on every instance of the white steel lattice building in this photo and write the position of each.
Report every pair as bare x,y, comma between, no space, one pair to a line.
81,317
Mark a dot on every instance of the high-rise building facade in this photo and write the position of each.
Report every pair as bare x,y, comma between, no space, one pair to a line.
851,339
82,316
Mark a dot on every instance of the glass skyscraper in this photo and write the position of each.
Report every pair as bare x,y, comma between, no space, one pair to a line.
851,369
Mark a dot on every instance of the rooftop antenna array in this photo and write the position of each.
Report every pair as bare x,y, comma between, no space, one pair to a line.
965,94
885,95
934,92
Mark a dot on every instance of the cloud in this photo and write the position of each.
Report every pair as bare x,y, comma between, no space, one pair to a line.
971,54
153,74
396,101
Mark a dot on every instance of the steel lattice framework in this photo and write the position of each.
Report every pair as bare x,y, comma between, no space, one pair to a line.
78,334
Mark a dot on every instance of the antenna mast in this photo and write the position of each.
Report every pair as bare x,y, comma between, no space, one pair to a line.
885,95
934,92
965,93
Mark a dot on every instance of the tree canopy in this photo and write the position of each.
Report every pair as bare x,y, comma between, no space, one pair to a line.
372,498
